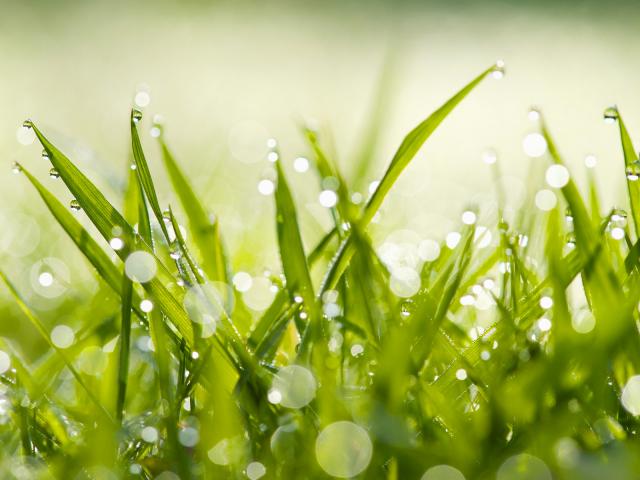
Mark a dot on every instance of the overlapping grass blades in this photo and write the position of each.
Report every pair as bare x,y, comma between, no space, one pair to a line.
432,376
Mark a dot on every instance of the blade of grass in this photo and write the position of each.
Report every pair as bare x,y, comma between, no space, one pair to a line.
206,234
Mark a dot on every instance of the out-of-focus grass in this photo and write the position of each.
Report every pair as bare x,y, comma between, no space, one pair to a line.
509,350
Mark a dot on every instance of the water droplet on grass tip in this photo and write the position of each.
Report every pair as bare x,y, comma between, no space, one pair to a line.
498,70
27,123
590,161
136,115
45,154
16,168
489,157
611,115
533,115
53,173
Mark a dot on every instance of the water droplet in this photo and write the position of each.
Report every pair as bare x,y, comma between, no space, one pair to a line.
343,449
489,157
611,115
461,374
74,205
16,168
630,397
136,115
53,173
534,114
27,123
590,161
633,171
469,217
498,70
175,252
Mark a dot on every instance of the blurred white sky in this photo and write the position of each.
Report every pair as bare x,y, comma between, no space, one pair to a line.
221,73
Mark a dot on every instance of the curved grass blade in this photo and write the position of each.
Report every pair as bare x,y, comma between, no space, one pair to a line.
294,260
403,156
125,344
106,218
35,321
143,173
632,171
205,233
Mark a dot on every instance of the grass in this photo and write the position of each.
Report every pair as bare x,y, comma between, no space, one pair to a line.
510,351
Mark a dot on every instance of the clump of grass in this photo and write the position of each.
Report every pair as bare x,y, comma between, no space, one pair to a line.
509,352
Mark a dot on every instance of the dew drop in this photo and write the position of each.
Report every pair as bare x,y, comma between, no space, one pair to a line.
498,70
136,115
53,173
16,168
27,123
611,115
74,205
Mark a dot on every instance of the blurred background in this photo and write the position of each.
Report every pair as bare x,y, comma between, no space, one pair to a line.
226,76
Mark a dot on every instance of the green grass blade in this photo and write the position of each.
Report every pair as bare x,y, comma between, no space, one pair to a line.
144,175
35,321
204,231
125,343
632,169
403,156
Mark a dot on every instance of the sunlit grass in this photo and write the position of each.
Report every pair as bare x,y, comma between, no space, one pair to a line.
509,350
